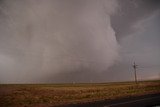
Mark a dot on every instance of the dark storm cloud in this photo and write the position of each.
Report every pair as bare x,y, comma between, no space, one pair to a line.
141,46
131,11
72,40
41,38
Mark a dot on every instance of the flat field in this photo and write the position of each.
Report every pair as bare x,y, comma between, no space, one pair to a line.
44,95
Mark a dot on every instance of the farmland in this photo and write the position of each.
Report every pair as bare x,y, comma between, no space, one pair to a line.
44,95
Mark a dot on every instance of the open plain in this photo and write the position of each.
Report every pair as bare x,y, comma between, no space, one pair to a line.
45,95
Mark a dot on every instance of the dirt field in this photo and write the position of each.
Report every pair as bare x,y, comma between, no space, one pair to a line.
44,95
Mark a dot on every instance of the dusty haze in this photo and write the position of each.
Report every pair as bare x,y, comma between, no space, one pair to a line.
78,40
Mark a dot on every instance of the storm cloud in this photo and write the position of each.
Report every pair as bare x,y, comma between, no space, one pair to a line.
70,40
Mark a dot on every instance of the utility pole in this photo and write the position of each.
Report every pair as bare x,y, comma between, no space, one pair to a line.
135,72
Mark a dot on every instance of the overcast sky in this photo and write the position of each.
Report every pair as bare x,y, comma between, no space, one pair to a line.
50,41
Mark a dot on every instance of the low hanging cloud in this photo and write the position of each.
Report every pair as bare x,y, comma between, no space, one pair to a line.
42,38
69,40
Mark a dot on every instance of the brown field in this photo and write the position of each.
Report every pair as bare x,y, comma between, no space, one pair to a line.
44,95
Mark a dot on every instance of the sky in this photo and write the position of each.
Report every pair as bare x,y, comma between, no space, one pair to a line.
65,41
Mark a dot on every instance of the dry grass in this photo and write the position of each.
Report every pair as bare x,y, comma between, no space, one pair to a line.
43,95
